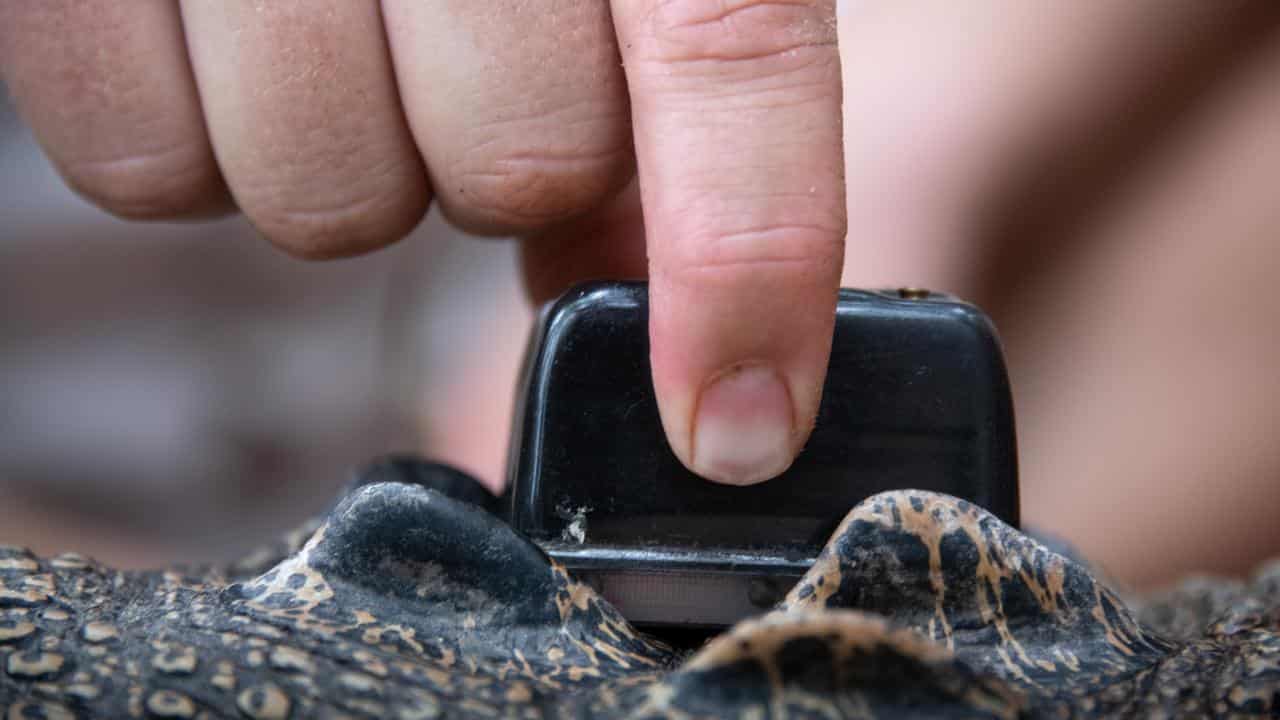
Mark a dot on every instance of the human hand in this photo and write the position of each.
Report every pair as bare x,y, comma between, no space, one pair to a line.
331,125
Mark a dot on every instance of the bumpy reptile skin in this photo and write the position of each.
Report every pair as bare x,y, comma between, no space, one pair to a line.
407,602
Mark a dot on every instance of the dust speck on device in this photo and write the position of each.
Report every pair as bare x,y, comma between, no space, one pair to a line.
576,530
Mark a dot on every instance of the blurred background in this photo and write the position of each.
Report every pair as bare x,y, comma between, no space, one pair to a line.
183,391
179,391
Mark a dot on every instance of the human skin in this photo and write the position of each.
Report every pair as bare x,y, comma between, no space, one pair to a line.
1059,163
332,124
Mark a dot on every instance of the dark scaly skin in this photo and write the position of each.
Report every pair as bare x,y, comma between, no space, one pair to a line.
406,602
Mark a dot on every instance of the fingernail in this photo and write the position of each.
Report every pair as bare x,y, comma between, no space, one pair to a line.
742,432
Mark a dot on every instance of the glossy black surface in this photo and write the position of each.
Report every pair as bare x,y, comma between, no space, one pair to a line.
916,397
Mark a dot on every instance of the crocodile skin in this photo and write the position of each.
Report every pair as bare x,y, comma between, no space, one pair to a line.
407,601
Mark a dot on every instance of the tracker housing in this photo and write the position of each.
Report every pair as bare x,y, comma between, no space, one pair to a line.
917,396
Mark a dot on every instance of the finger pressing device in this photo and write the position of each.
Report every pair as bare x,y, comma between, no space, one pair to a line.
916,396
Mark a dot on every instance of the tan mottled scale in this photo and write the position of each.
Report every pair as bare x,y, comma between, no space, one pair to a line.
34,665
99,632
172,659
423,706
370,663
82,691
359,683
47,710
372,708
224,676
70,561
170,704
291,660
254,658
27,590
22,564
15,631
264,702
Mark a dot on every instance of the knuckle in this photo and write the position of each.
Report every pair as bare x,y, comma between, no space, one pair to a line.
538,164
319,199
683,31
171,182
530,188
329,227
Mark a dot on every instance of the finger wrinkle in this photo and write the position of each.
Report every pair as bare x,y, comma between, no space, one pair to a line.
723,59
683,13
739,183
168,156
149,183
320,216
807,72
551,161
692,103
759,271
534,189
770,243
610,120
790,265
350,225
735,30
328,179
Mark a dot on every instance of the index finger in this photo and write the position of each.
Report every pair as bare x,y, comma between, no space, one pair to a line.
737,126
